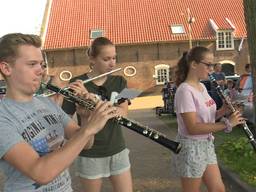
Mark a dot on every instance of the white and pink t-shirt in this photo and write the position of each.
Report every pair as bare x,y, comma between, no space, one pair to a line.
189,99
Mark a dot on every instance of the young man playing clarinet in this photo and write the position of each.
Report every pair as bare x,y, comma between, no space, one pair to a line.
33,154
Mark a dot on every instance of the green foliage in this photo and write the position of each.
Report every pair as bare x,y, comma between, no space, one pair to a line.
239,156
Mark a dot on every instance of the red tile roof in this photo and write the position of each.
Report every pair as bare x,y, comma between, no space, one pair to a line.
138,21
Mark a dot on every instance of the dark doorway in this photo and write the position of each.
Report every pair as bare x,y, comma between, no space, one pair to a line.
228,69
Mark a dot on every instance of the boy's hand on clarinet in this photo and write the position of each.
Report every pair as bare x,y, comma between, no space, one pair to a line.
97,119
236,118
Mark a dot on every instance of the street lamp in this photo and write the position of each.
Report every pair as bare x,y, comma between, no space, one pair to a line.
190,20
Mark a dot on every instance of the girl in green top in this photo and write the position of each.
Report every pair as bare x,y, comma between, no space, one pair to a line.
108,156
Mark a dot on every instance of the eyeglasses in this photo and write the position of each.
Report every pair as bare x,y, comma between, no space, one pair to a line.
209,65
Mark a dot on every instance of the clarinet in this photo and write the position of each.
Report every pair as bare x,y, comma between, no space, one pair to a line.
228,102
132,125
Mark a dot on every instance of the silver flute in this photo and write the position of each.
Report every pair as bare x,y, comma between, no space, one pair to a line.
232,108
135,126
85,81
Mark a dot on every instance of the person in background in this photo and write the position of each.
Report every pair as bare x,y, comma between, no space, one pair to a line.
166,94
55,80
221,80
245,89
38,141
219,75
245,84
231,91
45,79
196,113
109,156
2,88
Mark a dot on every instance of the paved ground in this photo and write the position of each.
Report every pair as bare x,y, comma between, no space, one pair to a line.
151,162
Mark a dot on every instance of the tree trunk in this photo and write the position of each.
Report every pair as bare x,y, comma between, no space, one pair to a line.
250,20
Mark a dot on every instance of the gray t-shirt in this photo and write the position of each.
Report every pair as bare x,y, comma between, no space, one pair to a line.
40,123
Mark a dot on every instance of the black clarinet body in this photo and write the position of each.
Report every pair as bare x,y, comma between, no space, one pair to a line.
132,125
245,127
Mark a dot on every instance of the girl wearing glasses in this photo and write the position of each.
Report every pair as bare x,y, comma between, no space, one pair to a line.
196,114
108,156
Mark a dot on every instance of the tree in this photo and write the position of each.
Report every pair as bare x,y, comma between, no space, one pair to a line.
250,20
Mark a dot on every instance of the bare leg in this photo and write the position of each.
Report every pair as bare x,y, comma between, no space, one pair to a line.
91,185
212,179
191,184
122,182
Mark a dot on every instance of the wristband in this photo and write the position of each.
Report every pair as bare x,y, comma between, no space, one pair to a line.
228,128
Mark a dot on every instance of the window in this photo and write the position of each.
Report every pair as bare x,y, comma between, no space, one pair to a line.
177,29
225,40
162,74
94,33
130,71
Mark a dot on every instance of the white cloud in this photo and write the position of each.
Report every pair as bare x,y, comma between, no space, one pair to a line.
24,16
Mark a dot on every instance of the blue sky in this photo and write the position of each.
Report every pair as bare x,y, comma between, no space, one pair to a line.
23,16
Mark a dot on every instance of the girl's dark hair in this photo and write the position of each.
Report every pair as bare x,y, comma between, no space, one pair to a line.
96,46
195,54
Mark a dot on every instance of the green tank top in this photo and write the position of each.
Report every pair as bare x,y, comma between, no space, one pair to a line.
109,140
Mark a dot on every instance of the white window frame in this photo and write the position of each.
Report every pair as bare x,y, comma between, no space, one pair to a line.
178,29
226,42
159,76
95,31
130,71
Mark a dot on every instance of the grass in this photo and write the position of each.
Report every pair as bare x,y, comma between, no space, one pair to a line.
233,151
237,154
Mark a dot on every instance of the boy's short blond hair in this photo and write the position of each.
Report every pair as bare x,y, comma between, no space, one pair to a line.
10,43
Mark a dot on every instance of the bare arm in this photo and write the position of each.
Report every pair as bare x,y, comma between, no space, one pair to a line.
72,130
44,169
121,110
196,128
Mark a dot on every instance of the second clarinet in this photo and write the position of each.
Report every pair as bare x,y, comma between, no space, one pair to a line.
232,108
135,126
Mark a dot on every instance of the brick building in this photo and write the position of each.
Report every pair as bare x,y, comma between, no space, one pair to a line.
150,35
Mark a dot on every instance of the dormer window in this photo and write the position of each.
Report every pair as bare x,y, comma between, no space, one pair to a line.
94,33
225,40
177,29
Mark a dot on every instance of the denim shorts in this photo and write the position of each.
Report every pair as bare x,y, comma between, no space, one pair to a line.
194,157
94,168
